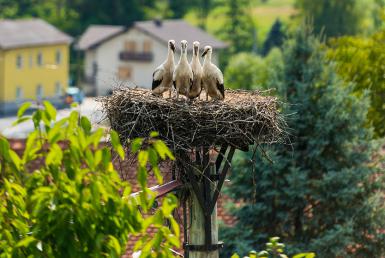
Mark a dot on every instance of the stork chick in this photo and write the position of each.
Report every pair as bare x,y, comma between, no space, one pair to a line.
196,68
162,76
212,78
183,76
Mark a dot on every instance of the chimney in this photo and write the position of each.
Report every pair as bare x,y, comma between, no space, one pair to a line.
158,22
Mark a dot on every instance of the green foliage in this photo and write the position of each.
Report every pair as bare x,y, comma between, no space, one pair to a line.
275,38
361,60
74,16
320,193
74,204
334,17
238,26
249,71
274,249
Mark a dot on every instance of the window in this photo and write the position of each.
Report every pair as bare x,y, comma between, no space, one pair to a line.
39,59
58,57
19,93
125,73
19,61
58,92
130,46
39,92
147,46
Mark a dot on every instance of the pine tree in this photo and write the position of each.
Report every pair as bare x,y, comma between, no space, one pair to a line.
275,37
318,194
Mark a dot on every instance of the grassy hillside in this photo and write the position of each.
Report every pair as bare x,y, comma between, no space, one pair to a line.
264,15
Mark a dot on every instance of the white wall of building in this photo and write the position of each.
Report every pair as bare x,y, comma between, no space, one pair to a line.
108,62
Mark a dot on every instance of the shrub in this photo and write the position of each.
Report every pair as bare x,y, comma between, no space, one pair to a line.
74,204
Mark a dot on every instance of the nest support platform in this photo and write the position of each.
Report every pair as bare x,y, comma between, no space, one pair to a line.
242,119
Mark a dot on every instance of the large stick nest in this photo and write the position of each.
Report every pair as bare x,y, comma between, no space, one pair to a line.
244,118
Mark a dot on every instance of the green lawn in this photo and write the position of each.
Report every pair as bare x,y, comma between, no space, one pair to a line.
264,15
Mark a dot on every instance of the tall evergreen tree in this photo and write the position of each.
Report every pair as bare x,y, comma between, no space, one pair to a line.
319,194
275,38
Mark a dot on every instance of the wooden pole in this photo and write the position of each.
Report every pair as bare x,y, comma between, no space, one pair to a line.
200,221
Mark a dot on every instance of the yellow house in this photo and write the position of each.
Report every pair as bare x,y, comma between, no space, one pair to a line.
34,61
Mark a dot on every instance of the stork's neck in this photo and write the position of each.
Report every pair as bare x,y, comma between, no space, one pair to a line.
183,56
196,51
195,58
207,59
170,55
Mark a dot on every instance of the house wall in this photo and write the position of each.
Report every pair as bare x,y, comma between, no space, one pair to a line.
107,58
1,76
30,75
89,59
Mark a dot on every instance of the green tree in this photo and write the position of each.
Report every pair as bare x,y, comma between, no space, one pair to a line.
250,71
76,15
361,60
334,17
275,38
319,194
74,204
238,27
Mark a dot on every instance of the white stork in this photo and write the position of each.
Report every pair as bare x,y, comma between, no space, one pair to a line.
183,76
212,78
162,76
196,67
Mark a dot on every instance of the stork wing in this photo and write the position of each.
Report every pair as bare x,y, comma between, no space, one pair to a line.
157,77
221,88
219,75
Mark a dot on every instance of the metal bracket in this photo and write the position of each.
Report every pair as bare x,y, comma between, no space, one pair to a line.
202,248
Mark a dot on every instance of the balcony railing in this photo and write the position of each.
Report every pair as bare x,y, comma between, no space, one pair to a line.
136,56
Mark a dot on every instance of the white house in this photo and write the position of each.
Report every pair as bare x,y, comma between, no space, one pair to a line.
118,55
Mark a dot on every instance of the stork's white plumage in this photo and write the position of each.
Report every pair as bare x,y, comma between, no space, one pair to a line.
183,76
212,78
196,68
162,76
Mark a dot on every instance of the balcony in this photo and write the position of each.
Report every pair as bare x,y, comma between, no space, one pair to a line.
136,56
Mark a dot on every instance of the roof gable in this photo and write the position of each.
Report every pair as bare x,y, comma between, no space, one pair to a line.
162,31
30,32
178,30
97,34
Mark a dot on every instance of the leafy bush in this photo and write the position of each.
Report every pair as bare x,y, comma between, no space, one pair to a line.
274,249
248,71
74,204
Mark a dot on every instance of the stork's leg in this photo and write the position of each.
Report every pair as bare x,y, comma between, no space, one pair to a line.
207,96
177,94
170,92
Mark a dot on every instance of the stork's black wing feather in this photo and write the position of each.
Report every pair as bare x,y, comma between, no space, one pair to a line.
156,83
221,88
174,84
